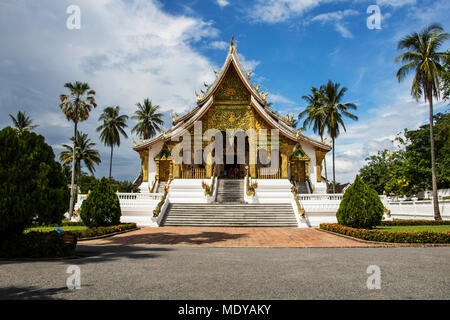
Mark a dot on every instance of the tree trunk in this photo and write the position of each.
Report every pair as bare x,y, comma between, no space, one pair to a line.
73,172
437,215
110,163
334,173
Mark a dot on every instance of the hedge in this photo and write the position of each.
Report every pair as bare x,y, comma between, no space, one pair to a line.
62,224
414,223
385,236
101,231
36,245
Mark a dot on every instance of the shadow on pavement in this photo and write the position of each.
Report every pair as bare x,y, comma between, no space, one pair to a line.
20,293
169,238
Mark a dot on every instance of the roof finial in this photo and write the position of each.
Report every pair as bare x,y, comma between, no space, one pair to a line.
232,44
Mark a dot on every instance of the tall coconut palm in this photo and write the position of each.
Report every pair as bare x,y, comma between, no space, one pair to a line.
111,129
84,152
314,116
149,119
423,58
22,122
334,110
76,106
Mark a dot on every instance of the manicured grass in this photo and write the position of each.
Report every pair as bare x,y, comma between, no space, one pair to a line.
435,228
48,229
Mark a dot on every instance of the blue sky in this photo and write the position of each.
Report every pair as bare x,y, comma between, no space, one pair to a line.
133,49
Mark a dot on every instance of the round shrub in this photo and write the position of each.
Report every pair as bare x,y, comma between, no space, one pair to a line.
360,207
102,207
32,183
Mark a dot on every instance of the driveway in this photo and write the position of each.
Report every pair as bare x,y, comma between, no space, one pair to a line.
174,272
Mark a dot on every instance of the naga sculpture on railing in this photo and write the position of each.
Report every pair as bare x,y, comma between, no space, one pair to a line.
155,181
209,190
387,212
251,188
157,210
300,209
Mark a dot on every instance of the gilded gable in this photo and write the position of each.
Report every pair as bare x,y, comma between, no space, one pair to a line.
232,88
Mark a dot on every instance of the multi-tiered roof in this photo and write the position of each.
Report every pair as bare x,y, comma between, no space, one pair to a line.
257,100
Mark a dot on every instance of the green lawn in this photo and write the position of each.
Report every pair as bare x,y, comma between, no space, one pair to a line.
436,228
48,229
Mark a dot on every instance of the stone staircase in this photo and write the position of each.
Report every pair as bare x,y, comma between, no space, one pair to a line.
230,215
303,187
230,191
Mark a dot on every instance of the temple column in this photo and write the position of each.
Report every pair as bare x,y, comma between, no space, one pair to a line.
144,165
320,155
284,166
209,165
157,169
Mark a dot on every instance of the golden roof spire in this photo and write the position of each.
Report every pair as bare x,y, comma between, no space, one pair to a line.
232,44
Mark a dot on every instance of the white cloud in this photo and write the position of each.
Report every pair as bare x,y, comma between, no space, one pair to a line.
273,11
336,18
127,51
278,98
220,45
223,3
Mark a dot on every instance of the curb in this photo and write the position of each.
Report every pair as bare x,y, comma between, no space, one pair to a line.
106,235
387,244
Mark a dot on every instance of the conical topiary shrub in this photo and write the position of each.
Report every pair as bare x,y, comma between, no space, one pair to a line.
102,206
360,207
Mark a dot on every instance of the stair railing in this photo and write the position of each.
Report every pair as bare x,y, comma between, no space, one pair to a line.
160,204
209,189
250,188
155,181
300,209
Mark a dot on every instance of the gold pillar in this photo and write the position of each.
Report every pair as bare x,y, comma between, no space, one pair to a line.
176,171
320,155
284,166
157,169
144,165
209,165
170,170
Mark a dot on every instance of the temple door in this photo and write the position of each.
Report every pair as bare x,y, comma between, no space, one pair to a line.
164,170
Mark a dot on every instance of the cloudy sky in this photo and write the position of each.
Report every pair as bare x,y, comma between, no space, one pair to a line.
128,50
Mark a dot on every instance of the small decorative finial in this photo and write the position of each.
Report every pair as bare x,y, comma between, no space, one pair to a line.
134,143
216,73
206,86
164,133
265,95
140,138
232,44
198,96
258,86
249,73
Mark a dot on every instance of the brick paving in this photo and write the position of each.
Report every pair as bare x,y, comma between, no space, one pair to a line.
230,237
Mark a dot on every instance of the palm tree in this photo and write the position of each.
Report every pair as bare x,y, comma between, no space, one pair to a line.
84,152
76,106
314,115
424,59
112,127
149,119
334,110
22,122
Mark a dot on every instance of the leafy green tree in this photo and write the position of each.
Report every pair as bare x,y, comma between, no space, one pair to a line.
334,110
424,59
110,130
22,122
87,183
149,119
76,107
84,152
314,115
32,183
102,206
446,79
360,207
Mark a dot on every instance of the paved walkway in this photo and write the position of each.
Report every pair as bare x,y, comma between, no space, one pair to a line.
230,237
